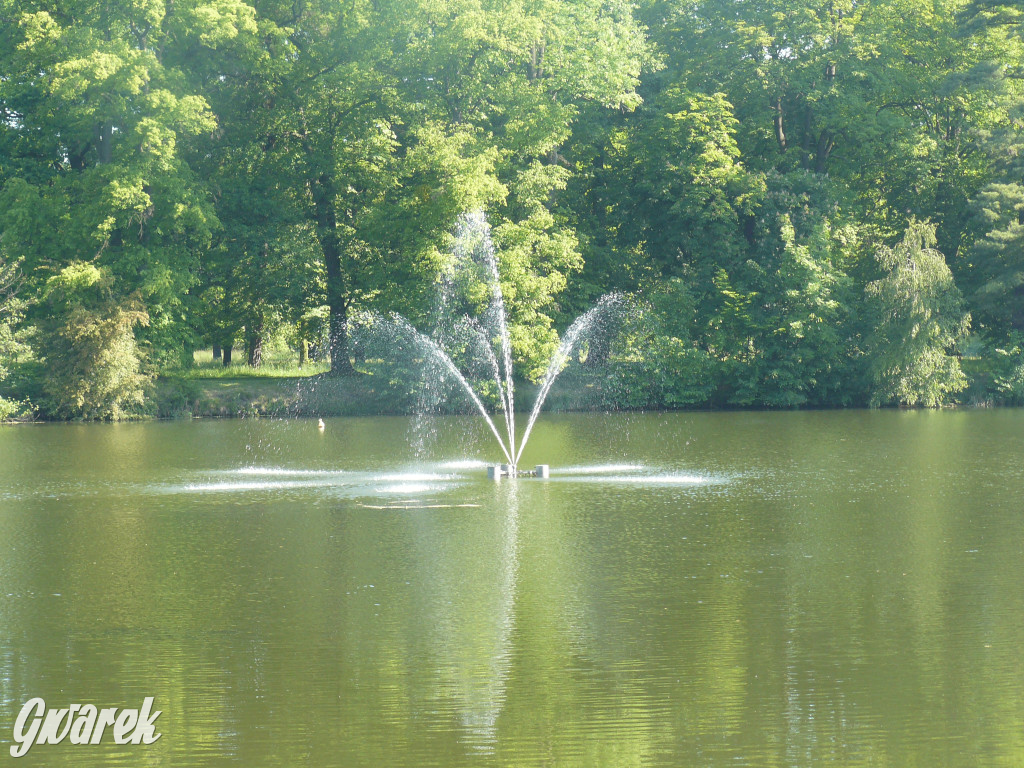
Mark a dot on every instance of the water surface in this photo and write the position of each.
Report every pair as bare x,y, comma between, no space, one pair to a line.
792,589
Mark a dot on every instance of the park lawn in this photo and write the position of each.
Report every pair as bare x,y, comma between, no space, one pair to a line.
311,395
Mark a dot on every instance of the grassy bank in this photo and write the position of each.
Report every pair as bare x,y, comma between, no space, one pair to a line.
279,388
318,395
323,395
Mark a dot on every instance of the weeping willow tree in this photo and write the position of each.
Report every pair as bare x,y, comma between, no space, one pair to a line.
919,320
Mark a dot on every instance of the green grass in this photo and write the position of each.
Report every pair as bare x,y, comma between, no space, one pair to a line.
277,388
276,365
277,395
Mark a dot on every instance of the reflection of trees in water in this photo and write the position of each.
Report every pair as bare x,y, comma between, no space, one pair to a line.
787,619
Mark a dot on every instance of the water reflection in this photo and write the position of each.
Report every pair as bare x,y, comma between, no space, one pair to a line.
846,594
472,613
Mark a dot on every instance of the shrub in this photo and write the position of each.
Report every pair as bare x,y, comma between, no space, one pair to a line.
93,366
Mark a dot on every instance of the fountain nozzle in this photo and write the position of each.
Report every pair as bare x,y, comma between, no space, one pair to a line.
497,471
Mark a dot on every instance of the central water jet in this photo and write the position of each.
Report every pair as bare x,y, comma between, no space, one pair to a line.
483,343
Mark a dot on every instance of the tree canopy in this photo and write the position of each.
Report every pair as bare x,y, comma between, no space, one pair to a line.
811,203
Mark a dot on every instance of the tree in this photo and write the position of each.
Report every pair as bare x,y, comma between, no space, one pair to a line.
93,365
886,97
660,194
655,360
94,114
995,262
791,70
939,93
782,321
12,345
399,117
263,268
983,15
990,269
683,196
919,319
800,319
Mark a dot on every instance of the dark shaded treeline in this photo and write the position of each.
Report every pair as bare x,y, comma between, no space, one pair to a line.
813,202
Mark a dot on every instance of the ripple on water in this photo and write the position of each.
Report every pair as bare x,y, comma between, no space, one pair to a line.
269,479
598,469
233,487
408,488
283,472
629,474
463,464
647,480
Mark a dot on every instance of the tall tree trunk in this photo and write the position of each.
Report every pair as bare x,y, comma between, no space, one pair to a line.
780,133
104,143
254,344
806,138
227,355
303,352
341,362
324,199
826,143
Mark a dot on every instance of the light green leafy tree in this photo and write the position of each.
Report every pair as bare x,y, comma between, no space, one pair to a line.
518,76
888,97
662,193
12,342
801,318
396,118
791,70
94,367
995,270
919,320
96,110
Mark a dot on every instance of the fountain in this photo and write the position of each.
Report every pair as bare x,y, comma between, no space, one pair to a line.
483,343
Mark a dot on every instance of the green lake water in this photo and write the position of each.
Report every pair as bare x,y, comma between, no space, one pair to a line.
721,589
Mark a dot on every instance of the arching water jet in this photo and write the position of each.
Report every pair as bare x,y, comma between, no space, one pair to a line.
484,342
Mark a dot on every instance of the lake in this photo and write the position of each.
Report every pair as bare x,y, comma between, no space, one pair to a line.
712,589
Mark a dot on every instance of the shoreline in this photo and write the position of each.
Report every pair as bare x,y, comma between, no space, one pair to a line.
321,395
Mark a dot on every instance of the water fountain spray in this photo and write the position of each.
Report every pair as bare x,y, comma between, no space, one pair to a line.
489,338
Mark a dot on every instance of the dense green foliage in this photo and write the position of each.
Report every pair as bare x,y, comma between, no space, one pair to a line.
12,344
919,316
93,367
811,203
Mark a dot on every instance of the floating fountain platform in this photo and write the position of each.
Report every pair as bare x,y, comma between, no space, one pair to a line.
498,471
